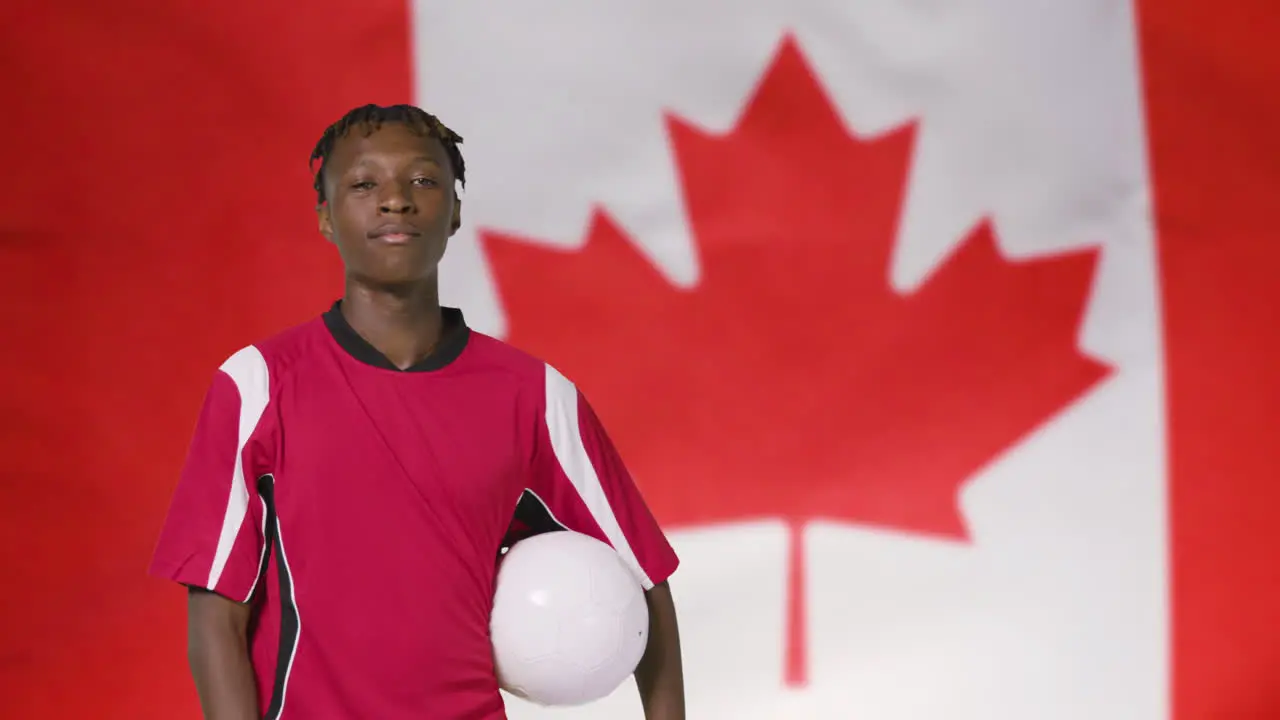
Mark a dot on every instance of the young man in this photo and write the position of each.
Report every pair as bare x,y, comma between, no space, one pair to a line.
352,480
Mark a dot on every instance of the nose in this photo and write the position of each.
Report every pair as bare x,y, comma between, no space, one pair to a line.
395,198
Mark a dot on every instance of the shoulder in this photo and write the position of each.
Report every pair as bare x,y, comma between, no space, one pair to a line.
257,368
529,370
490,353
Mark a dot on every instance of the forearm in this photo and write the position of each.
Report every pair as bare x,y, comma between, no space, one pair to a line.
660,675
218,651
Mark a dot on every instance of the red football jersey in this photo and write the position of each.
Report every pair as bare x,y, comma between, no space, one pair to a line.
361,510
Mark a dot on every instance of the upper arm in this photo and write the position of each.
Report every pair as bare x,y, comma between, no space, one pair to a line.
210,611
212,536
581,478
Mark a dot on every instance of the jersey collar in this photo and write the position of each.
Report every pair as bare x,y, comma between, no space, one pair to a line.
453,340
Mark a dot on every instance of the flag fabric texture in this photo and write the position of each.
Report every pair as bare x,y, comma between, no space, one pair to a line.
940,339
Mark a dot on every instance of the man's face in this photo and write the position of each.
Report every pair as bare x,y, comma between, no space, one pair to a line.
391,207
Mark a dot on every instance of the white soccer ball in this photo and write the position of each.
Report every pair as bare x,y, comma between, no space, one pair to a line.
569,621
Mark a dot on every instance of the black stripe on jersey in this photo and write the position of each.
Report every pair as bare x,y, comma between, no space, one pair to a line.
535,514
289,626
532,517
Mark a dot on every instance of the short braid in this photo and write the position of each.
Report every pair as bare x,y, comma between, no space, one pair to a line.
372,117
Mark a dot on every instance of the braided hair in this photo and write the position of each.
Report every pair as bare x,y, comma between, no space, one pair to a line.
372,117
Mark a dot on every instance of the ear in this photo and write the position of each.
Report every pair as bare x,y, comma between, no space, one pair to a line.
457,216
325,220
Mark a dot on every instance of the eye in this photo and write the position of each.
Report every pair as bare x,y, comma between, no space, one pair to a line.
424,182
362,185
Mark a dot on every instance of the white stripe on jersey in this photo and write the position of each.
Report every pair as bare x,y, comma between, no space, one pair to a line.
566,441
248,369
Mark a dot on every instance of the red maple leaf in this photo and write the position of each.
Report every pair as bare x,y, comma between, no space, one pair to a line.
793,381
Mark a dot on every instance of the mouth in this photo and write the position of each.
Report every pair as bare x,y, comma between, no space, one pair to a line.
395,234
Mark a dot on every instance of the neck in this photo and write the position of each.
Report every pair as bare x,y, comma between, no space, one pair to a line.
403,323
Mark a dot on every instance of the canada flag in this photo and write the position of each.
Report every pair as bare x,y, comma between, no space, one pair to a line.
941,337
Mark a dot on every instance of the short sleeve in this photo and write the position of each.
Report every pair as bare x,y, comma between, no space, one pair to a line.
213,534
586,487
